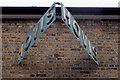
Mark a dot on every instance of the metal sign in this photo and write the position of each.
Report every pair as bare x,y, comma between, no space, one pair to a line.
47,19
69,20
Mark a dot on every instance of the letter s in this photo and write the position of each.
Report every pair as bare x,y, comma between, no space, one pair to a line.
50,15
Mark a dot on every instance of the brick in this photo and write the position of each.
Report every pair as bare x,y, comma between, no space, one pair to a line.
40,75
32,75
75,49
57,53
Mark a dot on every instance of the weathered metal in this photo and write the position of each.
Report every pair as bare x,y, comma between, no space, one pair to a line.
46,20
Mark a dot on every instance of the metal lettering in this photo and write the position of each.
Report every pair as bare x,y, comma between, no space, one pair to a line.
90,50
76,29
94,51
50,15
36,31
42,24
47,19
27,43
68,18
21,52
95,57
84,39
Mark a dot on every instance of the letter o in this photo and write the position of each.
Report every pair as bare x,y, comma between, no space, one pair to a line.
75,25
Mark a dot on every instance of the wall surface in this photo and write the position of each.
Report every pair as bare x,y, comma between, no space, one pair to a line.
57,53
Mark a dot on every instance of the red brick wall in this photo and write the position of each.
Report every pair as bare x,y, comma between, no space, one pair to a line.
57,53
